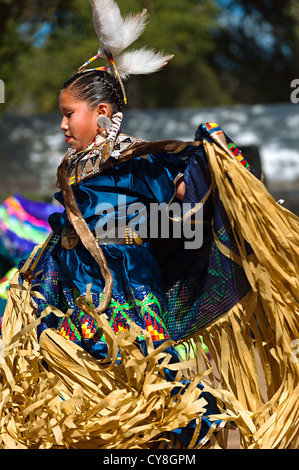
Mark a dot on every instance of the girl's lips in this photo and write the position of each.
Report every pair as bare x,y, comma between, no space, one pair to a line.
67,138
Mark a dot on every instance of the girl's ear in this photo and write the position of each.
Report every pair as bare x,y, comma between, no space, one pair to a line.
105,109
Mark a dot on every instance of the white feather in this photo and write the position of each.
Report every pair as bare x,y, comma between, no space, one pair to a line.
115,34
141,61
134,26
109,26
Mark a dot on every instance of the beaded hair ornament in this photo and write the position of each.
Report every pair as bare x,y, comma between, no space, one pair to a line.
115,34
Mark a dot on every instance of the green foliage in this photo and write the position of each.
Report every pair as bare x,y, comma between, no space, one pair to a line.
41,64
182,28
216,61
257,53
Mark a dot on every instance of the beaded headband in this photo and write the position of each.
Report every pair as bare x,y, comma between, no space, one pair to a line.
115,34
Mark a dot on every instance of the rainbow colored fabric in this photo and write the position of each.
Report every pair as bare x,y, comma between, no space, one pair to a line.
23,225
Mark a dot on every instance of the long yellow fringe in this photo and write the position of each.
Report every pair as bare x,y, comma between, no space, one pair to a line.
254,345
80,402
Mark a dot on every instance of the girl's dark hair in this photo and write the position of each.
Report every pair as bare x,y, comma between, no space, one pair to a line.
95,87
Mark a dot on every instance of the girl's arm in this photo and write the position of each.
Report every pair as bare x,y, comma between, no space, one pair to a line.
180,188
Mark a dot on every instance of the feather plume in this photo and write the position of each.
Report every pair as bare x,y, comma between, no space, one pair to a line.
141,61
115,33
134,26
109,26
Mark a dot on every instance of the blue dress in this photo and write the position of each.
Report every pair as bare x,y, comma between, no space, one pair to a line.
139,293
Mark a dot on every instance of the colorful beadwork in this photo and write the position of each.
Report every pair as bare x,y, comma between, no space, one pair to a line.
215,129
143,308
238,154
89,163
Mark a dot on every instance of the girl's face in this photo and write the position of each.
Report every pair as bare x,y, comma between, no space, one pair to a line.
79,122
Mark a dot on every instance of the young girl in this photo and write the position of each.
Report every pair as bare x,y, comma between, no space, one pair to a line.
138,285
139,294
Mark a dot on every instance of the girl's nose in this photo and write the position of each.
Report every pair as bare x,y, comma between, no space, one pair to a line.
63,124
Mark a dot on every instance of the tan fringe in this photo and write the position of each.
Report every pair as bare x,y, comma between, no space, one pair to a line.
81,402
253,345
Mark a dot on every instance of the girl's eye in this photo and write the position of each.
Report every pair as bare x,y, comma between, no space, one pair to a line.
69,115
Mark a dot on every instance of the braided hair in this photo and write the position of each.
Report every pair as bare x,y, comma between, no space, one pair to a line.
95,87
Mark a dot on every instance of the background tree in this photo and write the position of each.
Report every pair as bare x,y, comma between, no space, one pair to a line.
183,28
257,49
226,51
42,44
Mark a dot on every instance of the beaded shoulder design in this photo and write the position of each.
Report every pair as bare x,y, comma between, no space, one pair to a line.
90,163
